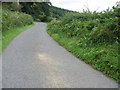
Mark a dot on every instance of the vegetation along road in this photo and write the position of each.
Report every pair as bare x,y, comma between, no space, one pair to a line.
34,60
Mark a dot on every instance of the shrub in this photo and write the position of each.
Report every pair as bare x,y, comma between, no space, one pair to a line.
12,19
92,37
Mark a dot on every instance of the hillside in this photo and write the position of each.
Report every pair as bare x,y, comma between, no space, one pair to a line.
58,12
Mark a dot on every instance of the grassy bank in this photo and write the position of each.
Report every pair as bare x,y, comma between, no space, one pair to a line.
103,58
8,36
92,37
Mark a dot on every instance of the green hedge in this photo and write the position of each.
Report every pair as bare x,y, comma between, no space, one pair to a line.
13,19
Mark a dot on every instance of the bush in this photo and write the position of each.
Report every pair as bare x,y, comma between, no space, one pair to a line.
92,37
12,19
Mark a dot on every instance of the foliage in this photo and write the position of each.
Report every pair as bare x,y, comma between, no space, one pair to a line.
16,6
92,37
12,19
38,10
58,12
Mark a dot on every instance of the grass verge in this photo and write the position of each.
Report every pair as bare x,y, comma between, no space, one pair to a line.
101,57
9,35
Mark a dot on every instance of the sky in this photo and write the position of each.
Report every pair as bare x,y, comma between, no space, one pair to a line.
79,5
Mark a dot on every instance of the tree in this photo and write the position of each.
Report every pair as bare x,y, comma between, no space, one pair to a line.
39,10
16,6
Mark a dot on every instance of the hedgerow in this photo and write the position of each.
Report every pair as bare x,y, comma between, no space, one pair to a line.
92,37
12,19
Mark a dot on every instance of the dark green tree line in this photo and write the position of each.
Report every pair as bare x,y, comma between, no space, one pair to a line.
39,11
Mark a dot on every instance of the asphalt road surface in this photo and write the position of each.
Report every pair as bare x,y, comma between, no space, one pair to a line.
34,60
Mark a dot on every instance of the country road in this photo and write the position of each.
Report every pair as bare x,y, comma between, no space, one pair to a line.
34,60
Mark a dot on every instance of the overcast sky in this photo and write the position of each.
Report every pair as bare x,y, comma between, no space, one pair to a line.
79,5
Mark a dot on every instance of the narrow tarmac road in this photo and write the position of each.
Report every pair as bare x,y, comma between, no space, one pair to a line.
34,60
